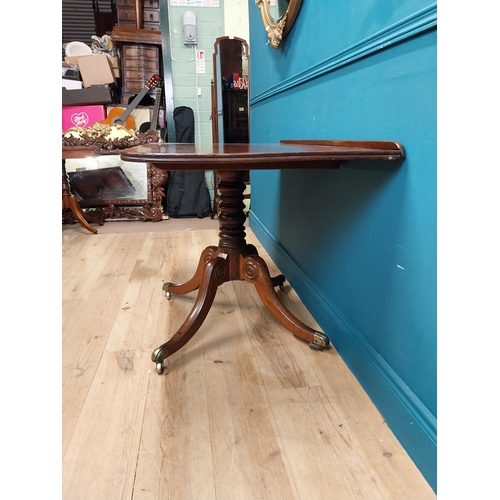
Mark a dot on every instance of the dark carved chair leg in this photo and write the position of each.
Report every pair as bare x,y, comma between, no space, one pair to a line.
192,284
215,272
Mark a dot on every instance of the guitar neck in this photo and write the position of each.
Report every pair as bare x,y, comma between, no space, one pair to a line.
156,110
132,106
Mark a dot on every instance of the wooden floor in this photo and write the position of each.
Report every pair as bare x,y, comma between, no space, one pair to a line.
244,411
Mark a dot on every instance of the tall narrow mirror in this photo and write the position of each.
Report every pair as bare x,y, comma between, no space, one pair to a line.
230,117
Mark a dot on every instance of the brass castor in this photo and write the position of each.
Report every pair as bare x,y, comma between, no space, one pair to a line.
316,347
158,355
320,342
165,287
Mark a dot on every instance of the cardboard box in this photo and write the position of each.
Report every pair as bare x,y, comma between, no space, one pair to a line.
72,60
114,62
95,69
81,116
97,94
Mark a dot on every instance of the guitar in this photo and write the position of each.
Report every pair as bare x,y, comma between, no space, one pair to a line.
120,116
153,124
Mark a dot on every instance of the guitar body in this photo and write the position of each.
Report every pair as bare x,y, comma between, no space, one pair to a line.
119,116
114,115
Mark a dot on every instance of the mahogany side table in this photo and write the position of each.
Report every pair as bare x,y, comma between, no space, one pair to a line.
233,258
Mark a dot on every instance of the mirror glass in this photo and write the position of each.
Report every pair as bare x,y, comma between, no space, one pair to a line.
277,8
108,188
96,181
278,17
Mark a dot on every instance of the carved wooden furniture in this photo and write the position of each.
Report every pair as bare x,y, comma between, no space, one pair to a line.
230,110
145,209
233,258
98,210
151,15
139,31
104,21
69,202
139,63
139,14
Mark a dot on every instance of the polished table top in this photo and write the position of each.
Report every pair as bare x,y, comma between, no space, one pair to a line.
284,155
233,258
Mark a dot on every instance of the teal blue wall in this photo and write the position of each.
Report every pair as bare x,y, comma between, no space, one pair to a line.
358,244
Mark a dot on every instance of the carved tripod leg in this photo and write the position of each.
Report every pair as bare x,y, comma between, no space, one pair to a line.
215,272
194,282
254,270
251,251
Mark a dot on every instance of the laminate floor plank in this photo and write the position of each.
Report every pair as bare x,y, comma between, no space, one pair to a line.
246,448
83,264
244,410
101,460
87,324
175,457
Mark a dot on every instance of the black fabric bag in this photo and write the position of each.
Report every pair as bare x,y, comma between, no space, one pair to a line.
187,194
184,124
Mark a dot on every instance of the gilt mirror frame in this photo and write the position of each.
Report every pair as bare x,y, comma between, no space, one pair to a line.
277,29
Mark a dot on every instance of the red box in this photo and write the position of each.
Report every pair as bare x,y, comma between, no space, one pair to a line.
81,116
241,84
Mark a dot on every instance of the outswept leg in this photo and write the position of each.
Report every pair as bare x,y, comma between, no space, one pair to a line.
232,259
71,203
254,270
214,273
192,284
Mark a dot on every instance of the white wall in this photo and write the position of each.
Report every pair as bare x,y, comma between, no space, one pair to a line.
236,18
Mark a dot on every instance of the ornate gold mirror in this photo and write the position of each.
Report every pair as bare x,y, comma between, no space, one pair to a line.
278,17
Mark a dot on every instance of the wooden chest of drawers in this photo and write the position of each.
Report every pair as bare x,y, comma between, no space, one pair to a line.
151,15
139,14
139,63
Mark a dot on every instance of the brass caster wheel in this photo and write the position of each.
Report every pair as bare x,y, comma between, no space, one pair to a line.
158,355
316,347
319,342
165,288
